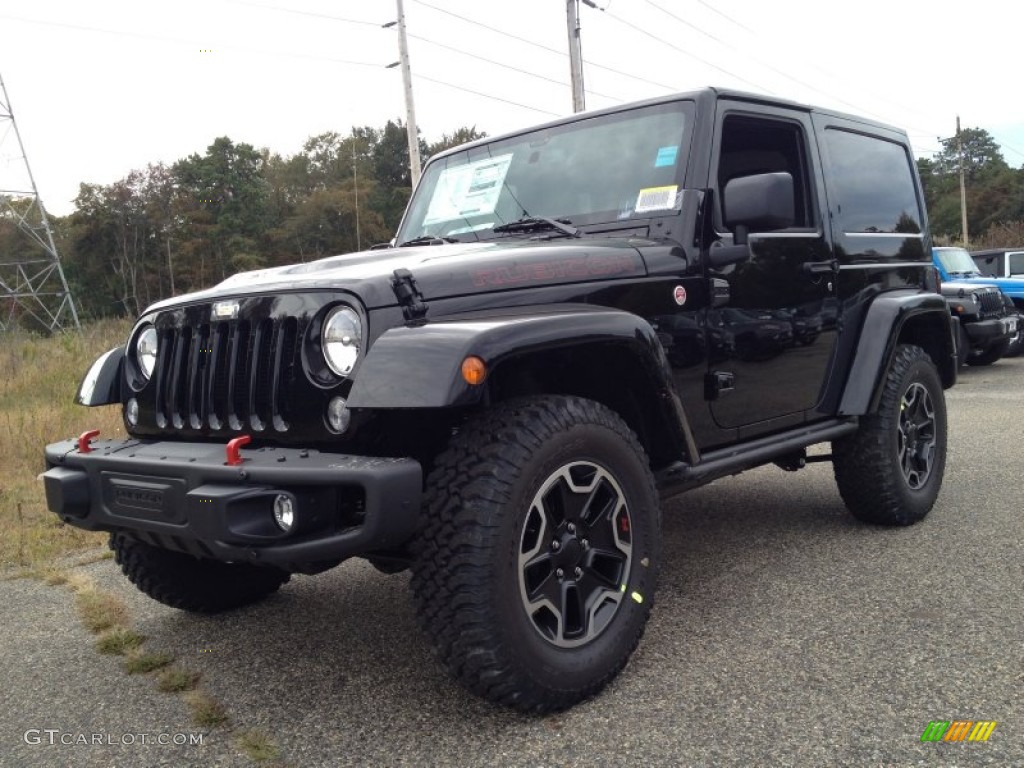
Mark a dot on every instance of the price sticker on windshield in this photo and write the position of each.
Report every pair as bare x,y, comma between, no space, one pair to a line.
656,199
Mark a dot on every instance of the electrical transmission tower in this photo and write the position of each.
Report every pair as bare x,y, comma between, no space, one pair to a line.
33,288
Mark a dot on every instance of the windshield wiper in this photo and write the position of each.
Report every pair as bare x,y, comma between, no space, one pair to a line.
428,240
538,223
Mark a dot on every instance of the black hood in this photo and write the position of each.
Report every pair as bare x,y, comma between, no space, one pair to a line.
443,271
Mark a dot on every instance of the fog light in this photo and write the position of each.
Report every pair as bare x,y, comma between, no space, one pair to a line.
131,412
338,414
284,512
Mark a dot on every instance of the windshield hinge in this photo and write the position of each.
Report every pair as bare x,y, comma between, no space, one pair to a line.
408,295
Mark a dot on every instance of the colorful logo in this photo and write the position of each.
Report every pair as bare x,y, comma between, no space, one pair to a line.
958,730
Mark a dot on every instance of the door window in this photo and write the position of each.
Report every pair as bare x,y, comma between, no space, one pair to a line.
754,145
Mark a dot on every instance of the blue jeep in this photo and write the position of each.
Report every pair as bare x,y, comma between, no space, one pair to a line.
990,320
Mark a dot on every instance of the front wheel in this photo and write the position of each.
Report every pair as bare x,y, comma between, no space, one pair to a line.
536,568
890,470
990,355
191,583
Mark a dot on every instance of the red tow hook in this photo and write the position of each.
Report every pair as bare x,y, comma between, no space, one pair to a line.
85,438
233,448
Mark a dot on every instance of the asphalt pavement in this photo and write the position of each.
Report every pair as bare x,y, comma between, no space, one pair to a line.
784,633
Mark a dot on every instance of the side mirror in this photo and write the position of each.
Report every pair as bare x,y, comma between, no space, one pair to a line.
760,203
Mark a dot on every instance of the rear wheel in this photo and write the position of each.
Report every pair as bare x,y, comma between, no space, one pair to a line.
536,568
889,472
190,583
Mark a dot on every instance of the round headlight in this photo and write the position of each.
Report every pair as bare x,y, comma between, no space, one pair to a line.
343,333
145,351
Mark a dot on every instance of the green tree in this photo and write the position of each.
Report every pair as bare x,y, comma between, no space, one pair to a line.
458,137
994,191
225,193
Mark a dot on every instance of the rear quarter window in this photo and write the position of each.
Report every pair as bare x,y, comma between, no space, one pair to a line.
872,184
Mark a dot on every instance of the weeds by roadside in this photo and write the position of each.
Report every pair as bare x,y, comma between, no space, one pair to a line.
37,389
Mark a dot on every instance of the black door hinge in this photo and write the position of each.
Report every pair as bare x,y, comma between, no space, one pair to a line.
408,295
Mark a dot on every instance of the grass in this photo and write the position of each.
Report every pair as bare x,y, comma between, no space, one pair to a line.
207,712
100,611
175,680
37,389
143,663
257,745
119,641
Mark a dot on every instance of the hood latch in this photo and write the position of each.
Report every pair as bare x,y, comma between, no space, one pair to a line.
408,295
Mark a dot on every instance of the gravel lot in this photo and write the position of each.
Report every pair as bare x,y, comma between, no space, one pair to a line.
784,634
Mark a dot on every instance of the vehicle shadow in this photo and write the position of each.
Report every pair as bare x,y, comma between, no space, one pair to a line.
339,659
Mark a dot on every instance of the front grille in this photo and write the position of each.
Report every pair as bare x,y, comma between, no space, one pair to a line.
991,303
227,375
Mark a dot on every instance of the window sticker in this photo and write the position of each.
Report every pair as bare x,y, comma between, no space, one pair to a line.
468,190
666,156
656,199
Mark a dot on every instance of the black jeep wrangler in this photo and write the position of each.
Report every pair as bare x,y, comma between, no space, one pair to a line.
572,323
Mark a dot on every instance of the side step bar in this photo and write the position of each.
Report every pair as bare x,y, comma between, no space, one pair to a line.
681,476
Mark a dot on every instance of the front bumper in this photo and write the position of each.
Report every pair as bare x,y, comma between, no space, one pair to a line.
985,333
184,496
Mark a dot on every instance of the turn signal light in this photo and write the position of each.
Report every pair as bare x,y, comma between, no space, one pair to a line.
474,370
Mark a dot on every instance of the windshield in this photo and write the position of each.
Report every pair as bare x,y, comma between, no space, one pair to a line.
605,168
956,260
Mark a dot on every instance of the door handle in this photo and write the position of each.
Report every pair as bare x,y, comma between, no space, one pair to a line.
821,267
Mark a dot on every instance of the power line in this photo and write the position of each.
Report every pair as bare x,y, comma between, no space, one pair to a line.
830,95
183,41
685,52
768,65
543,47
687,23
725,16
306,13
1007,146
490,96
506,66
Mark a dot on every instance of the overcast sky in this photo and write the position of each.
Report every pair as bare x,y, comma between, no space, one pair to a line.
101,87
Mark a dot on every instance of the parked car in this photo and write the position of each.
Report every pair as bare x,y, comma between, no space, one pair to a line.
1000,262
488,403
960,265
987,327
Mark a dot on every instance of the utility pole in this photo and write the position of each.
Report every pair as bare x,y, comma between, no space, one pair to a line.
32,285
410,109
963,187
355,188
572,19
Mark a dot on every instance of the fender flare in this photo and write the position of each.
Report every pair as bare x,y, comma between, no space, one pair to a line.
419,366
101,384
884,323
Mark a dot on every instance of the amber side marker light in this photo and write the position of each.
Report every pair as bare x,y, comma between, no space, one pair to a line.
474,370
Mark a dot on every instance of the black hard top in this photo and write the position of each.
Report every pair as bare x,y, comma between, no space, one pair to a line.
703,97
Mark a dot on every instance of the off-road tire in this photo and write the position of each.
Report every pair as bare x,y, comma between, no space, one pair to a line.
190,583
471,568
990,355
872,479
